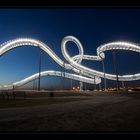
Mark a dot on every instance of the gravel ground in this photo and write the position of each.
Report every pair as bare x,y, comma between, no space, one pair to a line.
102,112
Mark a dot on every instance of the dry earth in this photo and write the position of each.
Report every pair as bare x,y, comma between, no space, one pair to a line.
101,112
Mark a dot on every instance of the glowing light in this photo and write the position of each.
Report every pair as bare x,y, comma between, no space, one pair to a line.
84,74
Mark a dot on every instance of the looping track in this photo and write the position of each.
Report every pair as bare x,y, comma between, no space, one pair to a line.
84,74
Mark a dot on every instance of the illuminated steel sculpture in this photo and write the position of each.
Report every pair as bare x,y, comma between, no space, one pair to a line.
84,74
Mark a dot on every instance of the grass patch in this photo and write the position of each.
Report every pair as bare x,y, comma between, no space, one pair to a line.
34,102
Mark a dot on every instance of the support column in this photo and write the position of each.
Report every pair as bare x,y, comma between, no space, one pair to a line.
64,77
123,84
99,86
13,87
94,84
104,75
39,71
116,69
81,83
71,84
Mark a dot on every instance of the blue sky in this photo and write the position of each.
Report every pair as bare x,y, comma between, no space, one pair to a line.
92,27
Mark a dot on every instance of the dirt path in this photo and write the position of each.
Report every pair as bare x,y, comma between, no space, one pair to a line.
104,113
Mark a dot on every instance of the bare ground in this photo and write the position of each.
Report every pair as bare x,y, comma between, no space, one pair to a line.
101,112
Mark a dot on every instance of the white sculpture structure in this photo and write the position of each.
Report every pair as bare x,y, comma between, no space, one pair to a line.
84,74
